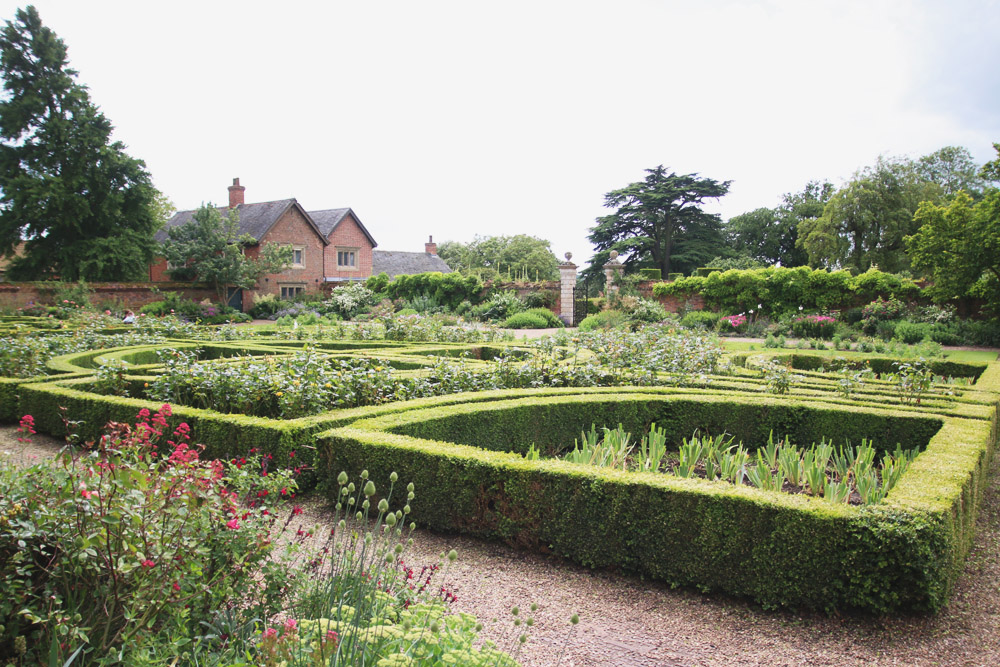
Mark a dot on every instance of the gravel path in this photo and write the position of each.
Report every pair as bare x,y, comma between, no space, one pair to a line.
630,622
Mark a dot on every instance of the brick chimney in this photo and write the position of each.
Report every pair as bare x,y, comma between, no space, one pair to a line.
236,193
430,247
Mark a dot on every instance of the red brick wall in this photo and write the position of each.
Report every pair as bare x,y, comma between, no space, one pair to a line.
291,229
158,271
349,235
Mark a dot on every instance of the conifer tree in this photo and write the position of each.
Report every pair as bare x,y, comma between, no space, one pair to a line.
83,207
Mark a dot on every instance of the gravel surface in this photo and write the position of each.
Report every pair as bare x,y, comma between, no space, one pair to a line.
630,622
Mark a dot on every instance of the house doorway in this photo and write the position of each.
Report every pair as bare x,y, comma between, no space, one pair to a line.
234,298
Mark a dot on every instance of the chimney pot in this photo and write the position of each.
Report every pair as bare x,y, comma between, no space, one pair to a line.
236,193
430,247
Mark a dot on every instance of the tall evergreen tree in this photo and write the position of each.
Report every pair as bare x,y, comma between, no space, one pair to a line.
660,222
82,206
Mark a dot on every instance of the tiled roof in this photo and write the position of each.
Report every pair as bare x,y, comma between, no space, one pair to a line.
255,219
395,263
327,221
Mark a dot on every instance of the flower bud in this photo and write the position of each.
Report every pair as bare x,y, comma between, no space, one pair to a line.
383,505
393,477
342,478
370,489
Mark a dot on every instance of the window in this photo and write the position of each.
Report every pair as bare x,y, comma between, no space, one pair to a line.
347,258
291,291
298,257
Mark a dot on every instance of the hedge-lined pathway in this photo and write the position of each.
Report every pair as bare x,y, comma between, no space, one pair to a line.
629,622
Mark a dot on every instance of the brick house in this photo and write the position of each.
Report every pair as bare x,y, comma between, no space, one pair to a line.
330,246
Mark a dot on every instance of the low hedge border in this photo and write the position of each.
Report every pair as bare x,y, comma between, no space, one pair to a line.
775,548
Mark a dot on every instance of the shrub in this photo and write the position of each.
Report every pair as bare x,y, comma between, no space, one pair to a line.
607,319
539,299
732,324
650,274
704,319
449,289
912,332
525,320
814,326
162,540
647,310
499,306
173,304
266,305
552,321
349,300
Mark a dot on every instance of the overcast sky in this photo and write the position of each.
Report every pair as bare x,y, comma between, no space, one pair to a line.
464,118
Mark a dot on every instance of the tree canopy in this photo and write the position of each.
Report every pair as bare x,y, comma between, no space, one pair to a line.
659,222
491,256
864,222
83,208
769,236
958,246
209,248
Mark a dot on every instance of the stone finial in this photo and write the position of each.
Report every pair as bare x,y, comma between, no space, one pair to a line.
568,256
613,255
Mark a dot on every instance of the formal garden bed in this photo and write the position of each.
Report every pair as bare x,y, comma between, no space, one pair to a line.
493,435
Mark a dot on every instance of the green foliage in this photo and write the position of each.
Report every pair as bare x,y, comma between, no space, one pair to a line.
533,318
769,236
349,300
266,305
83,207
499,306
660,221
448,289
210,248
162,541
784,291
650,274
683,531
705,319
958,246
864,222
606,319
912,332
525,320
491,257
814,326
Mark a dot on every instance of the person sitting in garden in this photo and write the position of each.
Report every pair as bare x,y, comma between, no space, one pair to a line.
129,317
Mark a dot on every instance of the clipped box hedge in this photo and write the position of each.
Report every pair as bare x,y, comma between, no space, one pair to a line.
779,549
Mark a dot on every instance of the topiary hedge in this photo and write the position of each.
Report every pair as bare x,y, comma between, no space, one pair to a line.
781,291
776,548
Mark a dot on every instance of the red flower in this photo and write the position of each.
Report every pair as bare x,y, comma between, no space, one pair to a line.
176,586
232,524
296,510
148,563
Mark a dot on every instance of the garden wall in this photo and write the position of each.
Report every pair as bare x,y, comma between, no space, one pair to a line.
127,295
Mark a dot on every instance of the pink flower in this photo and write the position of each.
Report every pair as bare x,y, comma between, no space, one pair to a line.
270,632
291,625
232,524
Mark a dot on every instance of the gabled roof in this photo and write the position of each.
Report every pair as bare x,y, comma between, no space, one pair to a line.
395,263
254,219
329,219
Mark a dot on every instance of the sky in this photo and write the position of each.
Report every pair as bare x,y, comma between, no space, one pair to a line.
457,119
